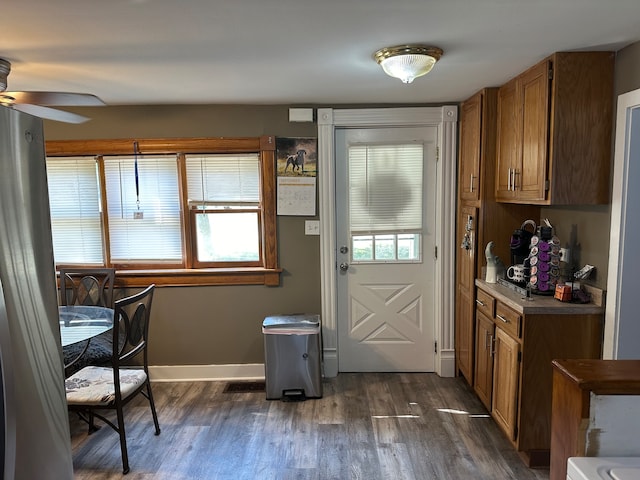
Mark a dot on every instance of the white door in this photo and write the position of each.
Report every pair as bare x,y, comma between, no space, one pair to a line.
385,214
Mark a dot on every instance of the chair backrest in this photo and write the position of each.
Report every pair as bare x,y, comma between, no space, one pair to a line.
87,286
131,328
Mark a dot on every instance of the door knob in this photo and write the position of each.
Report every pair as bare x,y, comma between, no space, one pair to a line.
344,266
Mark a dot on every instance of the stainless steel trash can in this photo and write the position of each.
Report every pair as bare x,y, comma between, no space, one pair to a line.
292,362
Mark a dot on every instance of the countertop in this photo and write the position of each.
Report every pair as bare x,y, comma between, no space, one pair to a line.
619,377
537,304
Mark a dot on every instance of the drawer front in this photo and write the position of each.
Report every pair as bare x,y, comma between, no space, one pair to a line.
485,303
508,320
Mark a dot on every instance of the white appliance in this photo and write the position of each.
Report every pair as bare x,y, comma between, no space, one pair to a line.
34,437
607,468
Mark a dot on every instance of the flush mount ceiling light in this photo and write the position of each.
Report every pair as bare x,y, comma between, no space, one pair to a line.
407,62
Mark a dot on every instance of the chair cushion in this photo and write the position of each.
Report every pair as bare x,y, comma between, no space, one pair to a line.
94,385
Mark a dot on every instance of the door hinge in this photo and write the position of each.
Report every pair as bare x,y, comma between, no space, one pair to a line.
437,153
550,71
546,185
435,251
436,346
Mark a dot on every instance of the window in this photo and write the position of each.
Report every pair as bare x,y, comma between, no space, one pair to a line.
385,202
224,196
177,211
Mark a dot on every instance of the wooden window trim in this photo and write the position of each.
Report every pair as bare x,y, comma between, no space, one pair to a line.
268,275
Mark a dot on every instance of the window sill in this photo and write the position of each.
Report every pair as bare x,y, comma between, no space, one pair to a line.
186,277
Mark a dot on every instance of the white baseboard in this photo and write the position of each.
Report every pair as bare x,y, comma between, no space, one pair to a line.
196,373
447,365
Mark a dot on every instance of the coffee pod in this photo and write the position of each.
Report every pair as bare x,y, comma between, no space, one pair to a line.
543,267
533,280
544,256
534,240
555,241
534,270
534,251
544,246
554,261
555,250
543,286
533,261
543,276
555,272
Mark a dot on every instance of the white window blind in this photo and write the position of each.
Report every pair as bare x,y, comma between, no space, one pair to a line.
223,178
385,188
151,232
74,198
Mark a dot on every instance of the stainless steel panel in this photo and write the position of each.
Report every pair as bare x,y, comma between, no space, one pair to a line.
37,438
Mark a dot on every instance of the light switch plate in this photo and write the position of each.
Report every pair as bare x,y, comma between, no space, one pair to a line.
312,227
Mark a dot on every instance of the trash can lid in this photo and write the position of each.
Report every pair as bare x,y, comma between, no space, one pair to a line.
297,321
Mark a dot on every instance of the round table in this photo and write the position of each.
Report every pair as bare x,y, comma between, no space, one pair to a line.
83,322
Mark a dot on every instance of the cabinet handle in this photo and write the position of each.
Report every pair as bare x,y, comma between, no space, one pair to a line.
487,342
509,180
471,184
515,172
500,317
480,302
493,345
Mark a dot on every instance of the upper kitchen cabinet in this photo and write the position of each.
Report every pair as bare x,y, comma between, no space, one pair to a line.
554,131
470,146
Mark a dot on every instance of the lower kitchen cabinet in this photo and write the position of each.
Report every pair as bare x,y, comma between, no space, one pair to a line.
516,341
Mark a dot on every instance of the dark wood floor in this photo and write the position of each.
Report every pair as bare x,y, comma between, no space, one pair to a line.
366,426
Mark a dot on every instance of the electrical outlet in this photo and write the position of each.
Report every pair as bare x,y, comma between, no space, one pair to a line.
312,227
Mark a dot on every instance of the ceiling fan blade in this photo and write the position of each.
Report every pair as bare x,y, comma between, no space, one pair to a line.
49,113
53,99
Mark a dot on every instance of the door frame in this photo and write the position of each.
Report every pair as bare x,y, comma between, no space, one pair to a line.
621,327
446,119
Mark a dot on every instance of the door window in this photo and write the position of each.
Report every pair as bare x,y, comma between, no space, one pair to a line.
385,202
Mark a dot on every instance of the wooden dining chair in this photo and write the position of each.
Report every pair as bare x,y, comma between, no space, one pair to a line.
93,391
93,287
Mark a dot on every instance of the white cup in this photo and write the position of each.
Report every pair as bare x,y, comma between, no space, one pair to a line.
516,273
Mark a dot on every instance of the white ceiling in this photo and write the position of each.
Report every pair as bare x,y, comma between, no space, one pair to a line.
293,52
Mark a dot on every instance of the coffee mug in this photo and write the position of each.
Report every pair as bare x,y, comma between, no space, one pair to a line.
516,273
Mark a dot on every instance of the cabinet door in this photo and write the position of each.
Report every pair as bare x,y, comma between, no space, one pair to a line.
465,305
509,140
530,180
483,378
464,335
470,140
506,374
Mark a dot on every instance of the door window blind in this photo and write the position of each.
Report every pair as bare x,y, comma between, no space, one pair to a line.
385,188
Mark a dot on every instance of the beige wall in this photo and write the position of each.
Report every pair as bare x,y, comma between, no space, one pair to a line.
215,325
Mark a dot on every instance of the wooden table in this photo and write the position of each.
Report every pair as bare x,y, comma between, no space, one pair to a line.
573,383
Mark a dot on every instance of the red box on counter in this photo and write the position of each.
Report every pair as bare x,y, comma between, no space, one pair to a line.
563,293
